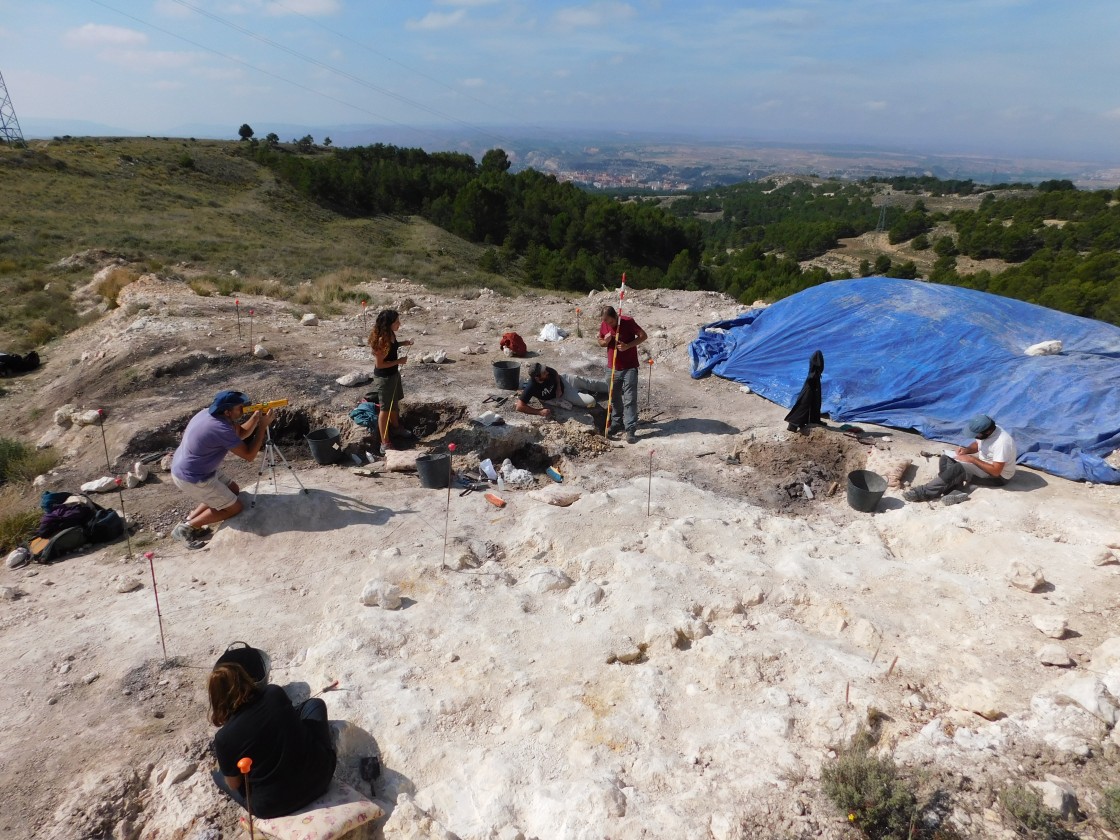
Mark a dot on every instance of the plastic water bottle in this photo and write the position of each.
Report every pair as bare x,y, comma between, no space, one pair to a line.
501,484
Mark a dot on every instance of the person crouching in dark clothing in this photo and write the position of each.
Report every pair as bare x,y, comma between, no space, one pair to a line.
293,759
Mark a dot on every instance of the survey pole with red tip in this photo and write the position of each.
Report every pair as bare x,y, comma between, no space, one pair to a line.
447,508
150,556
245,765
649,384
614,357
250,330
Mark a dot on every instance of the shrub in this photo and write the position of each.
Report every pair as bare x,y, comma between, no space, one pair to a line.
117,279
16,527
1033,818
870,792
1110,808
20,462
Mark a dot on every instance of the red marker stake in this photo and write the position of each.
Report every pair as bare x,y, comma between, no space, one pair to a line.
365,327
245,765
109,468
649,385
579,332
649,485
159,616
250,330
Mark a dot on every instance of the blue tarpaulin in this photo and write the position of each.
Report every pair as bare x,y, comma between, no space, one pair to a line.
922,356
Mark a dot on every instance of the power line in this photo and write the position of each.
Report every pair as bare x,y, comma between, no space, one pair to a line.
332,69
344,37
264,72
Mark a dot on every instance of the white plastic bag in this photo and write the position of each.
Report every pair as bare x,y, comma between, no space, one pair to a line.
551,332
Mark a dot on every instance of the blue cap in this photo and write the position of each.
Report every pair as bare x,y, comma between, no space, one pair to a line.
225,400
980,424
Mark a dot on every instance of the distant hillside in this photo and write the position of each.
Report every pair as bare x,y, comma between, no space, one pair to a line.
200,209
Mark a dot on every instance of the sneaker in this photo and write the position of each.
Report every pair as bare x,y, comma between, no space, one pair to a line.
385,448
631,437
954,498
403,434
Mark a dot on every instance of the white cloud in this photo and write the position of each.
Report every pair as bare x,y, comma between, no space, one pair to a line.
1114,114
594,16
473,83
100,35
166,84
438,20
561,73
875,105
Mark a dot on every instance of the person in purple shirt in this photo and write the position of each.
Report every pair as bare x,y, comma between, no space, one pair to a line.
196,465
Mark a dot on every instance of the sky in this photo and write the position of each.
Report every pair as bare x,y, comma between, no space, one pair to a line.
1020,78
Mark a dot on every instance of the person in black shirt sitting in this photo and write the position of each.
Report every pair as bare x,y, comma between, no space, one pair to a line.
562,390
293,759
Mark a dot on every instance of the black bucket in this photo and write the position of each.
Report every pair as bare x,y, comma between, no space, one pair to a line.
508,375
434,471
324,446
254,661
865,489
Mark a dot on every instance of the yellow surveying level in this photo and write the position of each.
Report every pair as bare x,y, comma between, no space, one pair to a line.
265,406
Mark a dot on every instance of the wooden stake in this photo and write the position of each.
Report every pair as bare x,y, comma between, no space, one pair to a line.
890,670
649,484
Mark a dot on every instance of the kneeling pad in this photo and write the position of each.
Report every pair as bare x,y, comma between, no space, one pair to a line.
334,814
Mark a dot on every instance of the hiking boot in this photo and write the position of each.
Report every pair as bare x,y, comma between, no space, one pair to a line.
185,533
954,498
193,537
919,494
631,437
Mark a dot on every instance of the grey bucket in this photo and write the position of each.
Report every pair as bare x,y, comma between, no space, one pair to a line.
865,489
324,446
434,471
508,375
255,662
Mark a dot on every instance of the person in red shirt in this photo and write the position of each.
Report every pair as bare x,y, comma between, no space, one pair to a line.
622,358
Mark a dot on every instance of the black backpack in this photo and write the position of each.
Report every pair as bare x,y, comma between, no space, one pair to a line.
103,526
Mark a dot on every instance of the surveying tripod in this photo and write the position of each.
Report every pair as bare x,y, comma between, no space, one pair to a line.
271,454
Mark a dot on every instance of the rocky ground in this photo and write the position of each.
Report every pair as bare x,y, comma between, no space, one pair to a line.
675,654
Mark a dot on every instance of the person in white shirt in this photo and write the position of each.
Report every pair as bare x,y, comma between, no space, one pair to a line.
989,460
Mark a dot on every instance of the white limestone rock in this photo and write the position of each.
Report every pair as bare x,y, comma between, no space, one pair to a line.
1091,695
1105,557
754,596
981,698
586,594
92,417
353,379
546,579
64,416
380,593
261,352
309,319
1054,626
468,324
1057,795
1054,654
100,485
1027,578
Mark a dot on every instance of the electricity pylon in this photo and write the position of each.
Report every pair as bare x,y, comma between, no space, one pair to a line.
9,126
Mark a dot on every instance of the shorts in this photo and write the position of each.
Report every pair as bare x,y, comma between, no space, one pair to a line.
214,492
389,390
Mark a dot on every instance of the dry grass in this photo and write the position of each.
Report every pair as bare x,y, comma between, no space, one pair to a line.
221,214
111,286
